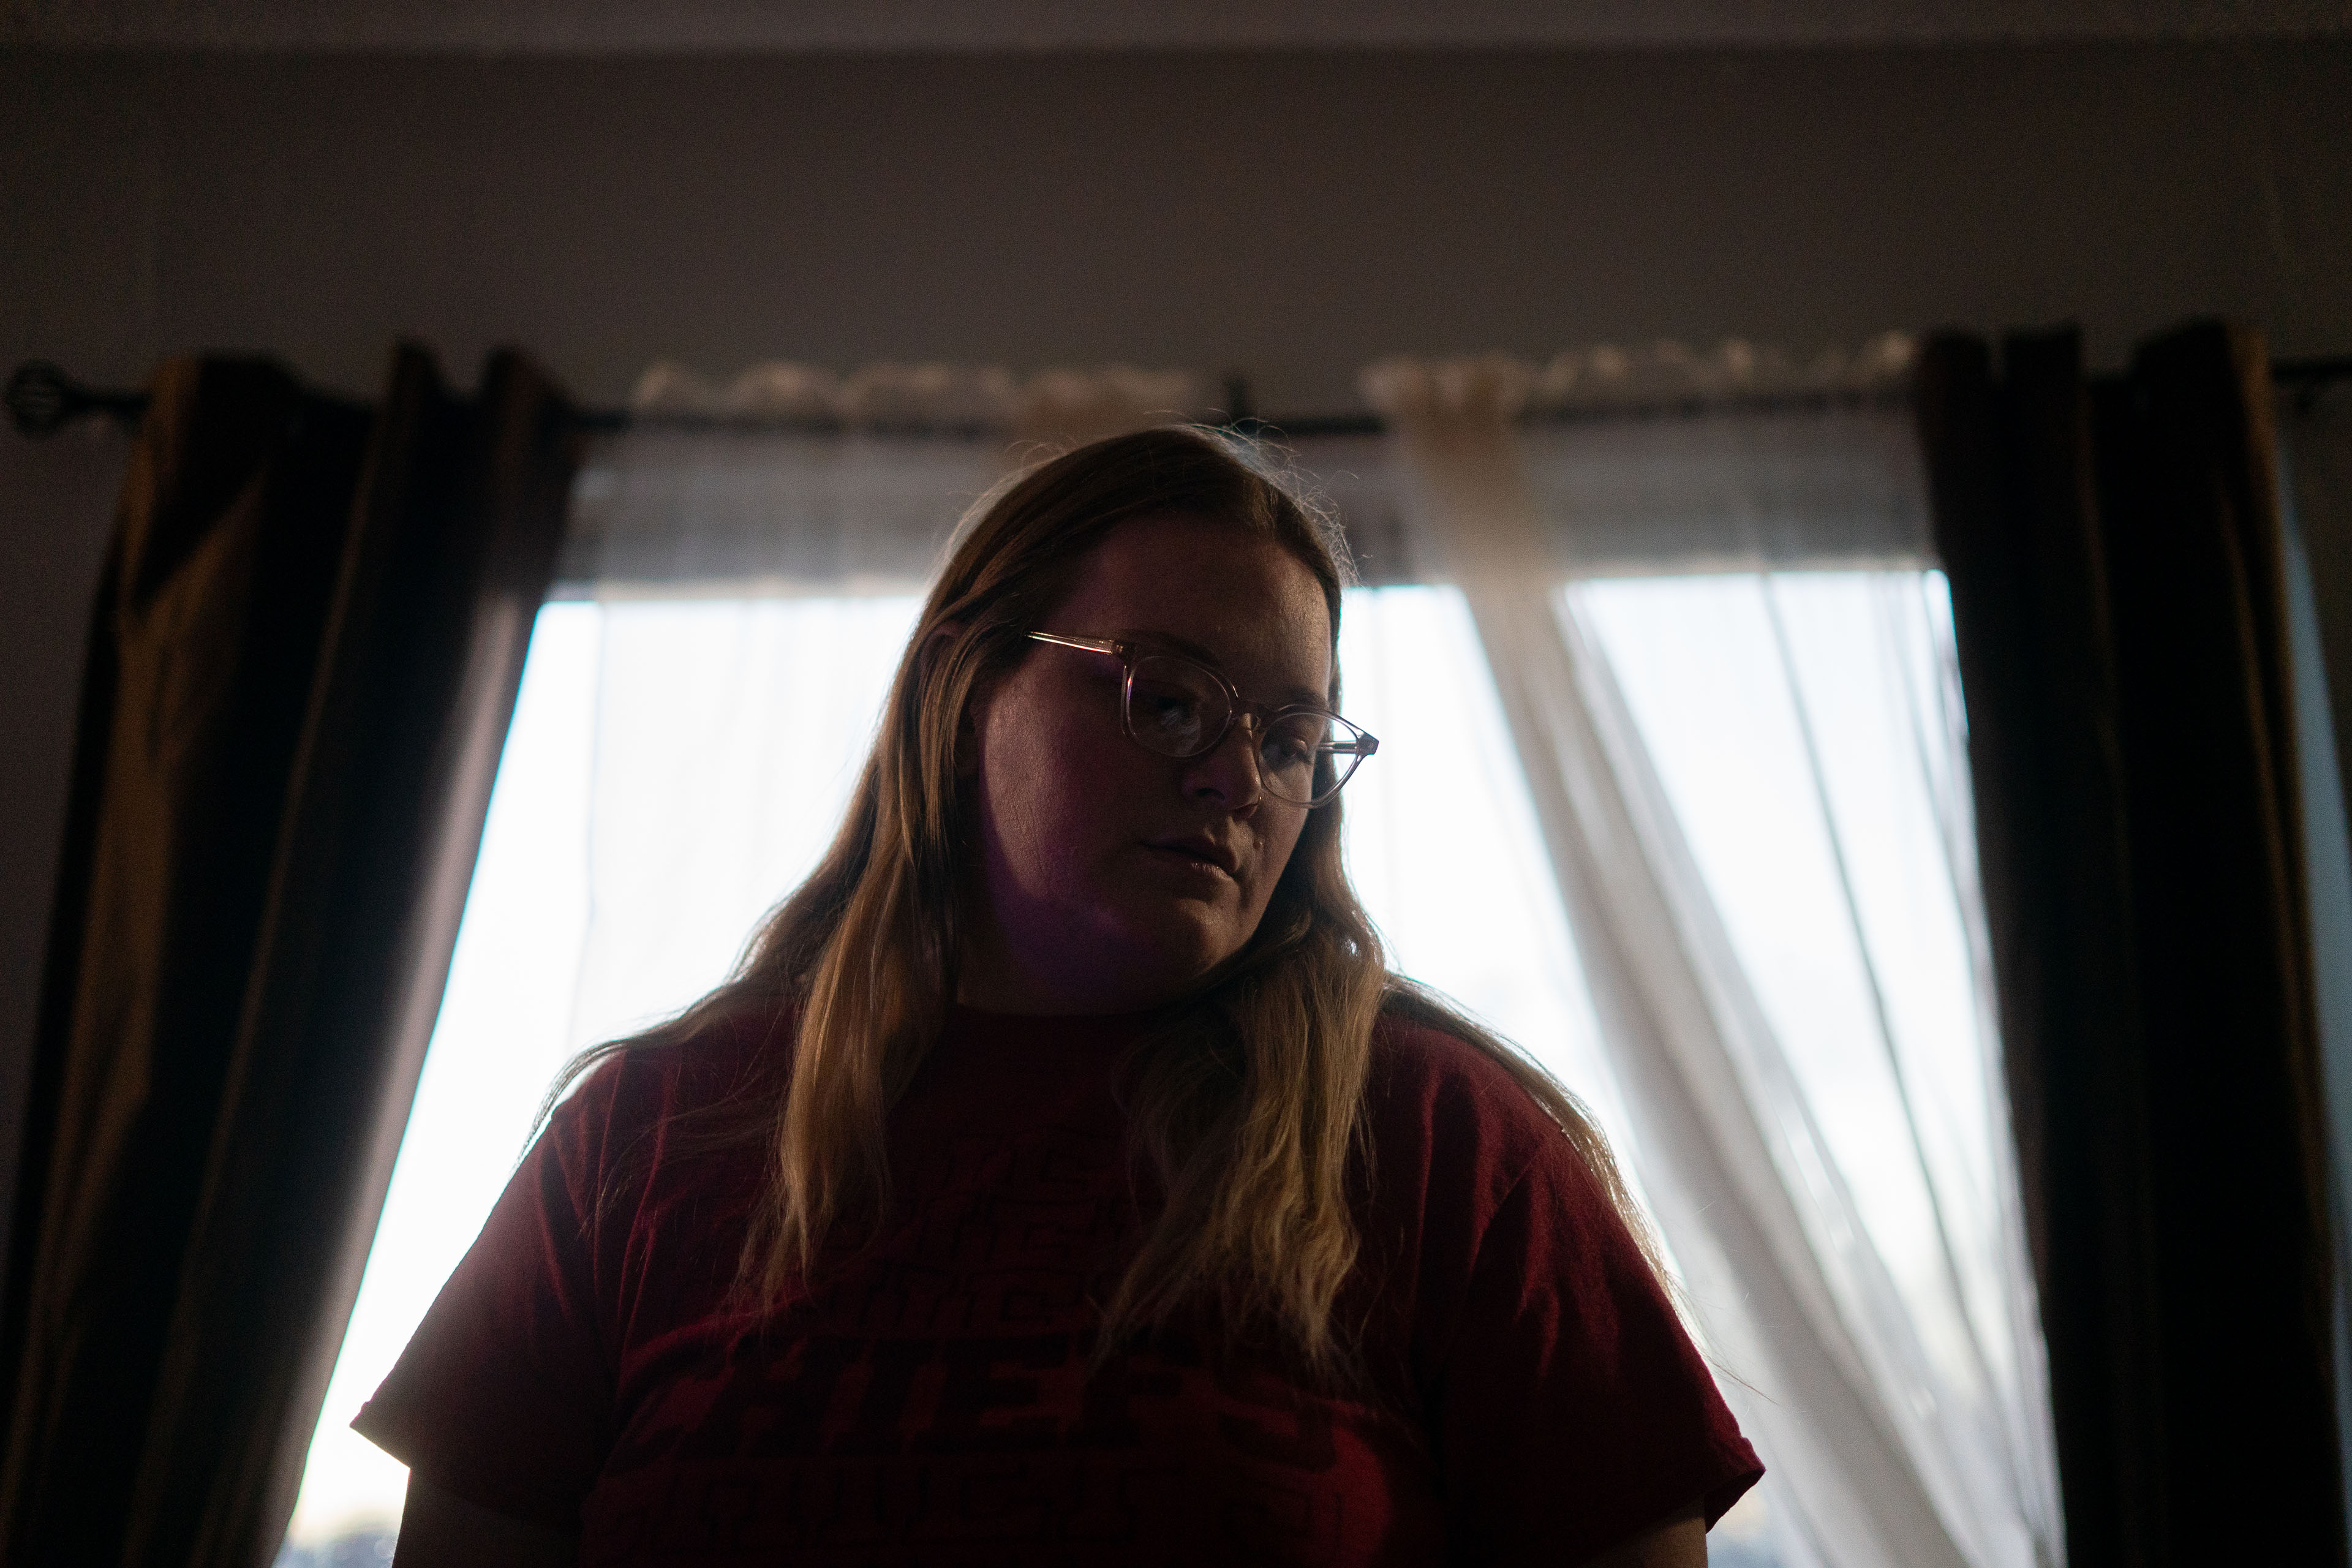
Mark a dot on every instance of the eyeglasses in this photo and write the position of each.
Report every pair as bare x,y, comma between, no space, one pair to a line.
1180,708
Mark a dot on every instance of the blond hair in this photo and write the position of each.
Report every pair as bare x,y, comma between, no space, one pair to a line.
1247,1097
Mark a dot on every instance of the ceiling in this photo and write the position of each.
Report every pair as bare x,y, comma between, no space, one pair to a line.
635,27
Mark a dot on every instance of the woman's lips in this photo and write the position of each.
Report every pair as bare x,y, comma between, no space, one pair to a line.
1187,860
1202,845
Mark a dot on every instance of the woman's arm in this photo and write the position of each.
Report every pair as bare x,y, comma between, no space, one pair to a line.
1681,1544
441,1530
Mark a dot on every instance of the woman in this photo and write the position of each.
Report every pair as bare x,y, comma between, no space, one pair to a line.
1064,1177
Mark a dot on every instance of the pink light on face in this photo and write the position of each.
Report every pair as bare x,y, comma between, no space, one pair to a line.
1109,878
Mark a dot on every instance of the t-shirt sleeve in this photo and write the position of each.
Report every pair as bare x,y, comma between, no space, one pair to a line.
504,1395
1575,1413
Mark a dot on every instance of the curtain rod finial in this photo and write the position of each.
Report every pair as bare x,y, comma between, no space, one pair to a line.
43,399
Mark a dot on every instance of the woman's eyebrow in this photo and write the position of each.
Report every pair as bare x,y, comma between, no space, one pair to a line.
1298,696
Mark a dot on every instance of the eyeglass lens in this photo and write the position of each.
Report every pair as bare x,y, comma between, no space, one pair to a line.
1178,709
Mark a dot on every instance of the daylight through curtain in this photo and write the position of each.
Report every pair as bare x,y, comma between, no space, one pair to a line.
1889,1452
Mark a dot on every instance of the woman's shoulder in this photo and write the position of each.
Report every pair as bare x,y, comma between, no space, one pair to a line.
1439,1100
638,1086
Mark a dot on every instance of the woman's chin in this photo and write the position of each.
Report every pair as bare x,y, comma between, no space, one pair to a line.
1153,961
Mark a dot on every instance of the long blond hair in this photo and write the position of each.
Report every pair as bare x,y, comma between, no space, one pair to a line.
1247,1096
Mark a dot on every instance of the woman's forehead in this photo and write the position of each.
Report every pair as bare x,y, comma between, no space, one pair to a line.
1209,589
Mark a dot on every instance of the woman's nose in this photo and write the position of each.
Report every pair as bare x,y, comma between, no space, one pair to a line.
1228,770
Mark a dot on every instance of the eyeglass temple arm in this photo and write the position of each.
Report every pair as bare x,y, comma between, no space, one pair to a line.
1085,644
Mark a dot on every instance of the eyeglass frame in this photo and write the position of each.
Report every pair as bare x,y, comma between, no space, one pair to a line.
1261,714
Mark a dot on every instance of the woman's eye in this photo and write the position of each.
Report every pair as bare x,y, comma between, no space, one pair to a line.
1289,749
1172,714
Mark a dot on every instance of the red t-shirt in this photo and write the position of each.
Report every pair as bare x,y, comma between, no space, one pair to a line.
1530,1395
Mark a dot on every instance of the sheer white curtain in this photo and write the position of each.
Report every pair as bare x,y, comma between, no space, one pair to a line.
1885,1362
1635,805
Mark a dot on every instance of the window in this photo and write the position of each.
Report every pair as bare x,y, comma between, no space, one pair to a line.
677,764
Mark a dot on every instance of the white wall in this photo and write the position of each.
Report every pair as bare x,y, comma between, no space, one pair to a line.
630,27
1292,215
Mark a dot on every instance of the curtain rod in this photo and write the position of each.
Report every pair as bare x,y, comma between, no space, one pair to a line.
42,398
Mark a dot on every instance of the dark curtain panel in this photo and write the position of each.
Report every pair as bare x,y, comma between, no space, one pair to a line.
301,666
2114,551
2315,444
